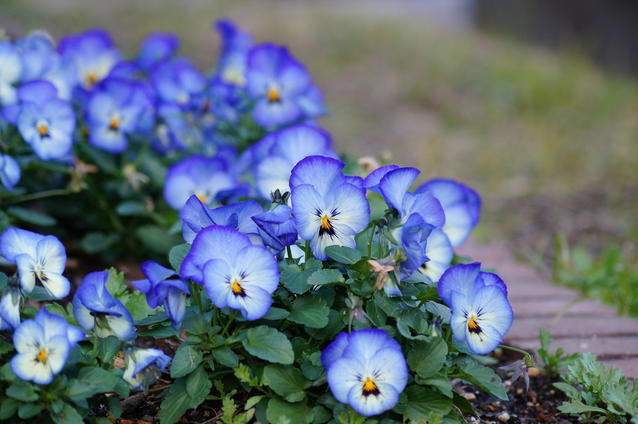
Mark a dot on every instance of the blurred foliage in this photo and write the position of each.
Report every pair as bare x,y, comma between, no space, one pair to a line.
611,277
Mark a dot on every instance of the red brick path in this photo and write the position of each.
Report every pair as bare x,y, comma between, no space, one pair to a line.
584,326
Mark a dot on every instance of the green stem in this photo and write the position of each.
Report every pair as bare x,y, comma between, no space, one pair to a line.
197,297
40,195
231,318
529,360
374,229
289,252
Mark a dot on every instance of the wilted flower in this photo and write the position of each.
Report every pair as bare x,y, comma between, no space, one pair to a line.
43,345
366,369
96,309
143,366
235,273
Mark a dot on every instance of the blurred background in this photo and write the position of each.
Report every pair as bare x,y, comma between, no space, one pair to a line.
532,103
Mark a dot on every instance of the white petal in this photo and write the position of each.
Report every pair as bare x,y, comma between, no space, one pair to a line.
343,375
56,284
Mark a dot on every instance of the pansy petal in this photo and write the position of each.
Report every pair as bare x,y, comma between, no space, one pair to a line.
57,285
215,277
373,404
395,184
259,268
306,202
322,172
459,278
28,336
15,241
342,376
254,305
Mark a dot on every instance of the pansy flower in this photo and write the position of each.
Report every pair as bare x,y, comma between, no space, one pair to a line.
231,67
43,345
10,72
38,258
200,176
481,313
329,210
195,216
113,112
366,369
45,121
162,287
93,54
10,308
156,48
96,309
143,366
235,273
276,154
9,172
280,85
178,82
277,227
461,204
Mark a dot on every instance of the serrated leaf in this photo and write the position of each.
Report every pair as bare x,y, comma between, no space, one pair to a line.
22,391
286,381
186,359
107,348
427,357
423,403
343,254
311,311
281,412
185,393
225,356
325,276
269,344
69,415
276,314
295,278
577,407
483,377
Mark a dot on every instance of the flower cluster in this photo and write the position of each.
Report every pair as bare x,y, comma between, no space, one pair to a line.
285,248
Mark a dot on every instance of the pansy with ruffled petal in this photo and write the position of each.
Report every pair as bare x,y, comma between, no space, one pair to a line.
366,369
235,273
143,366
277,227
96,309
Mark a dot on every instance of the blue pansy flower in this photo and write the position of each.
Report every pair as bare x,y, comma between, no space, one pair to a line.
37,53
38,258
93,55
366,369
162,287
10,308
143,366
231,67
329,210
157,48
10,72
461,204
481,313
178,82
9,171
277,227
280,85
96,309
280,151
196,216
113,113
235,273
45,121
43,345
439,253
200,176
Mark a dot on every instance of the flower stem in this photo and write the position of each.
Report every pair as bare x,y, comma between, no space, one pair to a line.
40,195
289,253
529,359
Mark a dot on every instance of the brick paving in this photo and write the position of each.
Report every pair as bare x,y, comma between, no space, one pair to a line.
576,325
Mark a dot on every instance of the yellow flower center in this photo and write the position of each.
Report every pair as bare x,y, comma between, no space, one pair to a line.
325,223
202,197
43,277
42,355
370,387
237,289
43,130
233,76
473,326
91,79
114,125
273,95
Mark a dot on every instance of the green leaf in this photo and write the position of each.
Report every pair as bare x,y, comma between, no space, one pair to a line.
197,323
295,278
185,393
152,319
29,410
22,391
280,412
156,239
69,415
198,385
483,377
310,310
276,314
8,408
97,242
269,344
423,403
343,254
186,359
130,208
427,358
225,356
577,407
107,348
286,381
177,254
31,217
325,276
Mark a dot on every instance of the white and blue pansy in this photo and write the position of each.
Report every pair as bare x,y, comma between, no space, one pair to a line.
285,148
195,216
235,273
10,304
143,366
9,172
45,121
200,176
10,72
366,369
96,309
162,287
43,345
156,48
481,313
461,204
38,258
439,252
277,227
329,210
236,44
